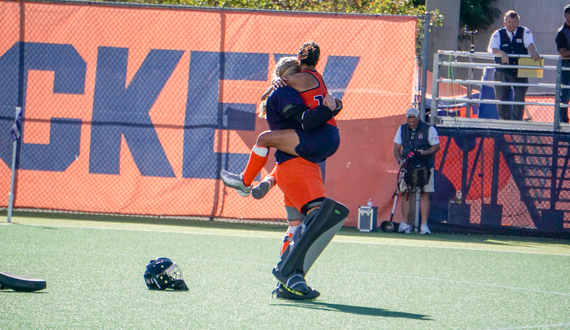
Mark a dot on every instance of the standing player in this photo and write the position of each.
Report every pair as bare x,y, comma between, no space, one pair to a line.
300,178
305,199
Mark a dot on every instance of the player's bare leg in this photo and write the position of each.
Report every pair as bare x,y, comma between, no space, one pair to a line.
285,140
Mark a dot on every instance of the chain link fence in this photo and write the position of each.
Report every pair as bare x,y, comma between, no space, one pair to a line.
135,110
515,181
500,176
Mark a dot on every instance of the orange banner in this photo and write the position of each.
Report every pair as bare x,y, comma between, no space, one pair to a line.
135,110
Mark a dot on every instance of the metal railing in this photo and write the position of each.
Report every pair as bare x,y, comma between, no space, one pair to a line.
439,62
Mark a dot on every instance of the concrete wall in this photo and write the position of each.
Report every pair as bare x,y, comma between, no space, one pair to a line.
443,37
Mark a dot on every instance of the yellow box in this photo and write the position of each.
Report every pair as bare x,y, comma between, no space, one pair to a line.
531,73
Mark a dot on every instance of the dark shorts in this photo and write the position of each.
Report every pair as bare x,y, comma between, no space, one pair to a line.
319,144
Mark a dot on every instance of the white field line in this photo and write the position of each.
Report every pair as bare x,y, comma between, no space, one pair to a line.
337,239
544,326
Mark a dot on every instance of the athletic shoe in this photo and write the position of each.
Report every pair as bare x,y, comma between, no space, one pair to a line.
259,191
282,293
424,230
295,284
404,228
235,181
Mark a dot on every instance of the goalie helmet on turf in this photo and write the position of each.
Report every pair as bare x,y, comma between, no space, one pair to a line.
162,274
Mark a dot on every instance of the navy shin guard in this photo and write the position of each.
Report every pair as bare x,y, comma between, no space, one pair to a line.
309,241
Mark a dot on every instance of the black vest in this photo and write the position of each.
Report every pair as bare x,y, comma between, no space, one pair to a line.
515,46
566,30
416,139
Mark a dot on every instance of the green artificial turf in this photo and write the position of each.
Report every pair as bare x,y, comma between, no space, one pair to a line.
94,273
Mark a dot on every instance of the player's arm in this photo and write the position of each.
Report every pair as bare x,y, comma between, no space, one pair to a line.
314,118
293,106
309,119
333,103
337,106
301,82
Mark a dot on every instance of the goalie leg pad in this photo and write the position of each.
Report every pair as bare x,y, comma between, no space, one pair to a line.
309,241
21,283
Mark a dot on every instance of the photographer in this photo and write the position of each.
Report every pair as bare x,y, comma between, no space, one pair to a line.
415,145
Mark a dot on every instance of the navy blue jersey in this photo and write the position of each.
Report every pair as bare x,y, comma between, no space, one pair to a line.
280,106
287,110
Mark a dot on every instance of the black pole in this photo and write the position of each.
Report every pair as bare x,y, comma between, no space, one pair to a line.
472,34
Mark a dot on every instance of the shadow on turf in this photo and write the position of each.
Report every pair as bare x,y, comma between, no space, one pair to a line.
358,310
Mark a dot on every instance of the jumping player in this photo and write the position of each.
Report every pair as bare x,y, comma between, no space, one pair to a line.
309,83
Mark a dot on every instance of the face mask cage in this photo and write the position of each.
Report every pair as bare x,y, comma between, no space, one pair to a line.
174,272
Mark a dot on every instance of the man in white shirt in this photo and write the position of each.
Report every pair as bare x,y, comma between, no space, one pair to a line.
512,39
416,139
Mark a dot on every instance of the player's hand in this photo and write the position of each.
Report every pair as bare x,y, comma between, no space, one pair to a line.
279,82
338,107
330,101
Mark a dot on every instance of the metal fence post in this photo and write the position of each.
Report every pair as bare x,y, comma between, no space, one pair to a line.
434,88
468,105
425,56
14,151
557,92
